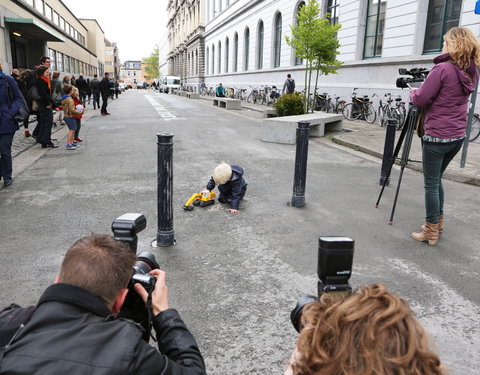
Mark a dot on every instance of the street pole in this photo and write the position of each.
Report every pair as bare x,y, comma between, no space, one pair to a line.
300,176
165,235
392,125
473,100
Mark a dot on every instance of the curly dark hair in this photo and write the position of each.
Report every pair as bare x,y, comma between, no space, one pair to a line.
369,332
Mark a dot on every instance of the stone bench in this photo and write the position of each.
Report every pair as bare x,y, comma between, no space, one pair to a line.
269,112
283,129
182,93
227,103
193,95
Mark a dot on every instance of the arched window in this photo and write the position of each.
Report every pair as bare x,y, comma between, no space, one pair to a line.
235,52
277,40
213,59
260,45
219,57
207,62
298,60
227,48
246,48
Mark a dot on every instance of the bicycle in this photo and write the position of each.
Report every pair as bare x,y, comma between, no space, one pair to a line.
386,111
322,103
360,109
253,96
338,106
475,129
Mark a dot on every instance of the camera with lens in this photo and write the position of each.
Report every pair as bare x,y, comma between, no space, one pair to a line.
335,260
125,228
418,75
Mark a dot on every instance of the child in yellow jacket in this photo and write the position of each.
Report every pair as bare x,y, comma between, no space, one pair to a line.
69,111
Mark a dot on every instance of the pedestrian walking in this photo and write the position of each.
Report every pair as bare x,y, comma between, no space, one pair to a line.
202,88
96,91
445,94
73,81
105,91
289,85
45,111
10,101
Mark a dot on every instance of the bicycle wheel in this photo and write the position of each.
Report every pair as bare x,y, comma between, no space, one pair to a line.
370,114
330,108
250,98
347,112
475,130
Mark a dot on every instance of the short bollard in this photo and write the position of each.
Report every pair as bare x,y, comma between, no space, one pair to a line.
300,176
165,236
392,125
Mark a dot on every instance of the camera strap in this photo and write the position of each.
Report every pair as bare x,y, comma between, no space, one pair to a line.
149,315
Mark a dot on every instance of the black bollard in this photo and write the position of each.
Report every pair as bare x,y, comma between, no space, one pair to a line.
300,176
392,125
165,236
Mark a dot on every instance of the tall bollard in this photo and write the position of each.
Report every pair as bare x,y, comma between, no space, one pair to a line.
392,125
165,236
300,176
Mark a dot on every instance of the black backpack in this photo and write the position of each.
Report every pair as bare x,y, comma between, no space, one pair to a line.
12,320
291,85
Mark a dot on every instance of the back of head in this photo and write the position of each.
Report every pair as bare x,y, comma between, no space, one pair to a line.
289,75
40,71
222,174
370,332
56,75
463,46
95,75
100,264
67,89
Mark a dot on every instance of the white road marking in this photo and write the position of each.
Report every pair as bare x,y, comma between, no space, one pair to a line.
161,110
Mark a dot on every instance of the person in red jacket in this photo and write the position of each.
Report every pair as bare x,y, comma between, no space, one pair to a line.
444,95
78,118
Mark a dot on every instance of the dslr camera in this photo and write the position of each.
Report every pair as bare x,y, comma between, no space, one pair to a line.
335,260
125,228
418,75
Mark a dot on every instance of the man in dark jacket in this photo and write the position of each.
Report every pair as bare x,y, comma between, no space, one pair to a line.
96,91
81,85
231,184
73,329
105,91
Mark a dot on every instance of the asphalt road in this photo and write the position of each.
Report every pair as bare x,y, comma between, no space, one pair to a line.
235,278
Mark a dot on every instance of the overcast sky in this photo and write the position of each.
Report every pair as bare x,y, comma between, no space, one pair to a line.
136,25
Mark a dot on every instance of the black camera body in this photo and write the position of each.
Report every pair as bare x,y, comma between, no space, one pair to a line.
125,228
418,76
335,260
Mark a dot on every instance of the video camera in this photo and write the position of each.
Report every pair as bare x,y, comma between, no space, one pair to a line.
125,228
418,76
335,259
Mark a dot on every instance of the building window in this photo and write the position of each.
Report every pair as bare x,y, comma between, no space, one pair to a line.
67,63
246,49
56,19
332,10
48,12
277,40
260,45
62,23
235,52
60,62
39,5
219,57
299,60
442,16
51,54
374,30
207,62
29,2
227,49
213,59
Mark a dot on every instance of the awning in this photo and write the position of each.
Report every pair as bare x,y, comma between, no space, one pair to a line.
32,29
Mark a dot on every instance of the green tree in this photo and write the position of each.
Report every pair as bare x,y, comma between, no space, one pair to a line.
152,65
314,39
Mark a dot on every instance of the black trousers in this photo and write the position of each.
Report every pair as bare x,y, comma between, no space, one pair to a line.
43,131
104,103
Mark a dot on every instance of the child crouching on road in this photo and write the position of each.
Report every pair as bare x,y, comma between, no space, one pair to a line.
69,112
231,184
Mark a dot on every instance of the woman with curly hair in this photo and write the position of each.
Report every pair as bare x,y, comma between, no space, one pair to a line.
444,95
370,332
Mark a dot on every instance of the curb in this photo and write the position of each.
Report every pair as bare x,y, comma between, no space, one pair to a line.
449,175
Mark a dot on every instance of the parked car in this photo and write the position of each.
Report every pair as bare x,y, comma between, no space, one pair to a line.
122,86
169,83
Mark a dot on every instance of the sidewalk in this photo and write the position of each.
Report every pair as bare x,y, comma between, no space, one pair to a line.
370,138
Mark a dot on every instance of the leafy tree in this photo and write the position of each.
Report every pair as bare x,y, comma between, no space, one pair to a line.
314,39
152,65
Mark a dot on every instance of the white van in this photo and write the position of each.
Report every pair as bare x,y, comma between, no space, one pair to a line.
168,83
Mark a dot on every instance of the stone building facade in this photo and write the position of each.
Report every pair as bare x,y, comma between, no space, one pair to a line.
245,41
186,28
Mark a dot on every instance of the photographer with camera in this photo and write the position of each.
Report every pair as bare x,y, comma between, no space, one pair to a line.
372,331
444,95
74,328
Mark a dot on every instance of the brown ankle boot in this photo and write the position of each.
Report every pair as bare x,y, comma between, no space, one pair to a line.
429,233
27,133
441,221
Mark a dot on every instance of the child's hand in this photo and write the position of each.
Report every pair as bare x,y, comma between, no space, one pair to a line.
233,211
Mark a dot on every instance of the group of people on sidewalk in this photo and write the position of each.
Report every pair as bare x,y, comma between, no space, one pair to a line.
40,92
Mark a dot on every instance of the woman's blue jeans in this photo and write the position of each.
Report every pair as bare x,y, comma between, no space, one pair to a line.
436,158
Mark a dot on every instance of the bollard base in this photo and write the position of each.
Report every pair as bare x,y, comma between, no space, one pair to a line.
164,239
382,181
298,201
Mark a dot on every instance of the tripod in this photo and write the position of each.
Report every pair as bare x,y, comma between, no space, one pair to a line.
405,136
